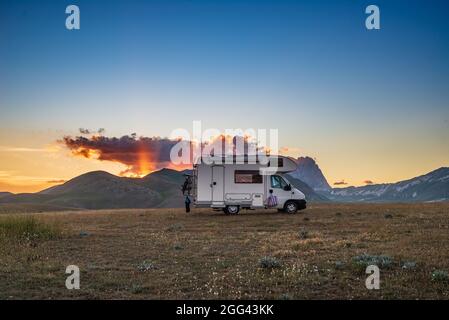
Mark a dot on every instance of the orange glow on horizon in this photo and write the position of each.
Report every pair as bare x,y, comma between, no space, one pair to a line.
144,163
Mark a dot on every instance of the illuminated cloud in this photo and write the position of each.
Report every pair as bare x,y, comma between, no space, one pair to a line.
56,181
141,155
340,183
290,151
368,182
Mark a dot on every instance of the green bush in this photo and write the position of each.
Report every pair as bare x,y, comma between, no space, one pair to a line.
303,234
146,265
440,276
285,296
269,263
178,246
174,227
364,260
409,265
27,228
136,289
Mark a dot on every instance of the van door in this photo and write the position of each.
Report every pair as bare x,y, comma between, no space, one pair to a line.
217,185
277,184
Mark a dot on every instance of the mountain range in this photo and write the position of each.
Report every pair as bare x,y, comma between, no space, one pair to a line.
431,187
102,190
162,189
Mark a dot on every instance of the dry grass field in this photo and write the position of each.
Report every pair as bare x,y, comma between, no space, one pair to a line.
168,254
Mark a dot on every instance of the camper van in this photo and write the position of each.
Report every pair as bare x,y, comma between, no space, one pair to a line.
232,183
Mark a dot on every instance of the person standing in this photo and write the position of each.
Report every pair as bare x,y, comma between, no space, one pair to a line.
187,202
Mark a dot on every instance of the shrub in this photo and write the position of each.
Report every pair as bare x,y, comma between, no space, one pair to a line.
364,260
178,246
409,265
84,234
27,228
440,276
136,289
388,216
285,296
339,265
146,266
174,227
303,234
269,263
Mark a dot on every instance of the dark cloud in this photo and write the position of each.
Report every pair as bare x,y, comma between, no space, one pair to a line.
87,131
141,155
340,183
84,131
368,182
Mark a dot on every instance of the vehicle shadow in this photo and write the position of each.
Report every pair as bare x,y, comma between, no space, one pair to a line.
247,212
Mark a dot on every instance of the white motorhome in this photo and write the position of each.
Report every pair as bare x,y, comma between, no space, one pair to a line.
234,182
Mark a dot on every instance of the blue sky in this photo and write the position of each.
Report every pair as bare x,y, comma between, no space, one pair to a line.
310,68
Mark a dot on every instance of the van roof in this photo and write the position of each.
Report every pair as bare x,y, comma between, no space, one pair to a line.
283,163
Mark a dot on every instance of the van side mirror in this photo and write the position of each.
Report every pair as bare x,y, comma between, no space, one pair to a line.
288,187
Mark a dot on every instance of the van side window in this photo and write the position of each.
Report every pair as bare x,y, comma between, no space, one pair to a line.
278,182
247,176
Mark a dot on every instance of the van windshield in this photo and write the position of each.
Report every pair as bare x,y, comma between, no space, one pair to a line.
278,182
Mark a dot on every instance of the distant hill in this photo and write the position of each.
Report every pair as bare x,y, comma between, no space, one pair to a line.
309,172
99,190
431,187
5,194
102,190
93,190
168,183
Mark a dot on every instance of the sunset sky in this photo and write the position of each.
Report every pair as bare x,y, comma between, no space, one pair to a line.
367,105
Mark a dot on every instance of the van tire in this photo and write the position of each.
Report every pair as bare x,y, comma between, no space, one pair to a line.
232,210
291,207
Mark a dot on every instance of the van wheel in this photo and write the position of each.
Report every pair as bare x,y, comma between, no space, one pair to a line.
291,207
232,209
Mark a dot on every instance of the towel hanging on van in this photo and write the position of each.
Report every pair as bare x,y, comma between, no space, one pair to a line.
272,201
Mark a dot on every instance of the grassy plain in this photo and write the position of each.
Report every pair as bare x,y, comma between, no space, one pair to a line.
168,254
